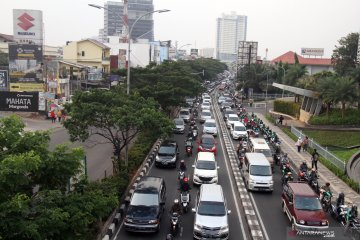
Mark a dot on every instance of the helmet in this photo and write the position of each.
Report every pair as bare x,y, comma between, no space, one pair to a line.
285,155
287,165
289,173
176,201
186,179
304,162
182,161
341,195
327,184
169,237
302,174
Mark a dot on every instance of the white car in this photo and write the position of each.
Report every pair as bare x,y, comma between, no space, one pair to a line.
210,127
205,168
221,99
205,105
185,114
232,118
204,115
238,131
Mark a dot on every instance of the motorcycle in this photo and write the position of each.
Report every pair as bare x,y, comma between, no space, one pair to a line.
174,223
185,201
339,213
277,157
303,177
283,161
326,200
354,228
314,185
286,178
181,175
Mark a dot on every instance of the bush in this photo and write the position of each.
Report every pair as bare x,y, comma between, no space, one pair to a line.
352,117
289,108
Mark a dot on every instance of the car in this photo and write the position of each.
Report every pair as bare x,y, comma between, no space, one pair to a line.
232,118
238,130
146,205
167,155
210,127
225,105
205,168
207,143
228,111
303,208
211,213
259,145
184,114
221,99
179,125
205,105
204,115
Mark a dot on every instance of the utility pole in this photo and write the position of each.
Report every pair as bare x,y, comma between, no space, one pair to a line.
125,28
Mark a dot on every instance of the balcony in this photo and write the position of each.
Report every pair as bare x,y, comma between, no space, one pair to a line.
105,61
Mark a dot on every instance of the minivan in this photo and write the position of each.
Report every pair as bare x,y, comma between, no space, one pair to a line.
204,115
146,205
184,114
167,155
205,168
259,145
256,171
238,130
211,213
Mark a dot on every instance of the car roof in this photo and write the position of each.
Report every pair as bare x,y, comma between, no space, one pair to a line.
207,136
185,109
208,156
239,124
210,120
301,189
211,192
259,143
168,142
179,119
233,115
229,110
149,184
206,110
257,159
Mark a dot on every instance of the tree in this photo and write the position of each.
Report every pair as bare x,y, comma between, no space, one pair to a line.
327,91
115,116
310,81
294,73
345,54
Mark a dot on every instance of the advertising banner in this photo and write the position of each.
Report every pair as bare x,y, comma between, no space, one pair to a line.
19,101
26,87
4,80
25,64
312,51
28,26
194,52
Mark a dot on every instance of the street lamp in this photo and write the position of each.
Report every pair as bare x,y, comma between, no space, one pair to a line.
129,44
284,79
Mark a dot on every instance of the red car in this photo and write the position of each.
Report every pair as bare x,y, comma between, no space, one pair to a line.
207,143
302,206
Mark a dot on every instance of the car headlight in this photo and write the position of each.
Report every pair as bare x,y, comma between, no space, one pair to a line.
198,227
224,229
271,182
153,221
302,222
251,181
324,223
129,220
157,158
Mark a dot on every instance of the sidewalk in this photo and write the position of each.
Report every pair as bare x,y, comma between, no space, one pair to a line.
288,146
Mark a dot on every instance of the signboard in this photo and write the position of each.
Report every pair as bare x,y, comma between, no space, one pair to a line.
194,52
247,53
26,87
25,64
358,51
28,26
4,80
312,51
42,101
19,101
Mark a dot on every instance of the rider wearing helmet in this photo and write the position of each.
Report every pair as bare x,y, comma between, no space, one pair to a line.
286,169
303,167
184,185
176,207
313,176
325,188
182,165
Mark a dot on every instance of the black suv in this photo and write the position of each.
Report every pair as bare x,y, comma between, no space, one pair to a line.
168,154
146,205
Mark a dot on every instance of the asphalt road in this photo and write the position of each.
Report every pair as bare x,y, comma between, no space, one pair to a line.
98,153
236,218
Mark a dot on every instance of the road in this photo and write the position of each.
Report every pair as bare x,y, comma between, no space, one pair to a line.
98,153
236,218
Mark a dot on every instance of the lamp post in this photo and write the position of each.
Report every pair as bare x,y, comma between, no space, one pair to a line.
129,45
282,96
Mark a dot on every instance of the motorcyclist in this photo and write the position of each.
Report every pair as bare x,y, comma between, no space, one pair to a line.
286,169
325,188
176,207
184,185
190,135
313,175
169,237
303,167
182,165
340,201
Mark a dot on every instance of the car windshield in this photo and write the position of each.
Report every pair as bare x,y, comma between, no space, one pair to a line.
266,152
206,103
207,165
239,128
307,203
184,113
144,199
207,140
206,113
229,112
222,98
233,119
209,124
167,150
179,122
257,170
211,208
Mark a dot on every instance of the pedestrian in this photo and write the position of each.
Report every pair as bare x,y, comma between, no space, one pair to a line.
59,115
298,144
314,159
53,116
63,116
251,102
305,143
281,119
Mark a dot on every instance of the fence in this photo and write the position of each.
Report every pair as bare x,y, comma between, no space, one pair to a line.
256,96
321,150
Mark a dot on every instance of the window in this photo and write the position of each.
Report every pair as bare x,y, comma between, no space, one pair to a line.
83,53
211,208
144,199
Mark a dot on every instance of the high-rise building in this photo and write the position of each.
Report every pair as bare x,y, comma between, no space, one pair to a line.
231,29
113,23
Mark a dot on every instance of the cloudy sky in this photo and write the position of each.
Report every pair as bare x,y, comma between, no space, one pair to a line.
279,25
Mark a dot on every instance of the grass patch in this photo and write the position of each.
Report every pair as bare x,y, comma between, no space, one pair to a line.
352,117
334,138
270,118
345,155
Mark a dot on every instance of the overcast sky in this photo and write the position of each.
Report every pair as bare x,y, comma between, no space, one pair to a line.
279,25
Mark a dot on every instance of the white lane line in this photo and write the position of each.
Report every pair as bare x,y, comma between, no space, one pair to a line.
232,190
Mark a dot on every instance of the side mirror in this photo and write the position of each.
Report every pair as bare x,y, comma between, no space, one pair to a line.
193,166
229,211
162,203
193,210
218,167
247,170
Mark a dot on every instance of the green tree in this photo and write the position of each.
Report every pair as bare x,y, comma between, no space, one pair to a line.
294,73
310,81
345,54
115,116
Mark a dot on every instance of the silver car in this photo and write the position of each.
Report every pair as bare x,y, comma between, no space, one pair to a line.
204,115
210,127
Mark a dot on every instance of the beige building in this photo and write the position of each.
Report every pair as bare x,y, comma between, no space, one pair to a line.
88,52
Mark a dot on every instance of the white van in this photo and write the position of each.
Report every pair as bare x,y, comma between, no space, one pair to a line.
256,172
211,213
259,145
205,168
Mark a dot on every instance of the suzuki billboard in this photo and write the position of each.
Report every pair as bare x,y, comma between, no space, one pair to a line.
28,26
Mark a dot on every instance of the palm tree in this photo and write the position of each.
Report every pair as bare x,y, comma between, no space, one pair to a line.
327,91
355,74
346,92
294,72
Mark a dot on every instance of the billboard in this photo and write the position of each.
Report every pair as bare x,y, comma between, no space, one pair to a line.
28,26
4,80
194,52
25,66
312,51
19,101
247,53
358,51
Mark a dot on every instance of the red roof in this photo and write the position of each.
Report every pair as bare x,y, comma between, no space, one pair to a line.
289,58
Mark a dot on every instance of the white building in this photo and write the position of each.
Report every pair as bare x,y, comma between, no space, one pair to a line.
230,30
207,52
